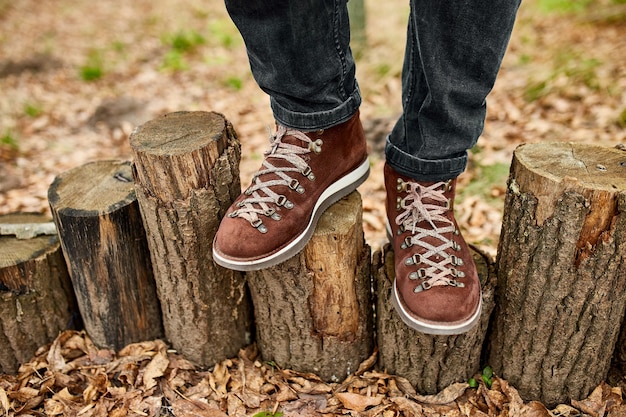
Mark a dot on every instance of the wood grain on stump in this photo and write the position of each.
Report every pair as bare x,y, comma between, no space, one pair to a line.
314,311
561,270
36,296
104,244
186,177
429,362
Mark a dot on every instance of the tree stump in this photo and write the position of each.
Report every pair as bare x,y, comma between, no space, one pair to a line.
186,177
314,311
36,297
429,362
561,270
104,244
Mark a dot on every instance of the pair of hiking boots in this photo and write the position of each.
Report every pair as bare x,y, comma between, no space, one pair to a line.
436,288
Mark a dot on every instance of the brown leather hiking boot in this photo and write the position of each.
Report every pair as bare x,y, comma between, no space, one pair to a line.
302,175
436,288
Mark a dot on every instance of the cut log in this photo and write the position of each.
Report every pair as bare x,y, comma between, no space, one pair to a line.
186,177
104,244
36,296
561,270
314,311
429,362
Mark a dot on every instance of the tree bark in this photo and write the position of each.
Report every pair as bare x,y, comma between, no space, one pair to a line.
104,244
561,270
314,311
36,297
186,177
429,362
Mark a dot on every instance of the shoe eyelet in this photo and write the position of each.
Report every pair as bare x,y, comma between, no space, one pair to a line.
295,185
307,172
401,185
258,224
282,201
316,146
413,260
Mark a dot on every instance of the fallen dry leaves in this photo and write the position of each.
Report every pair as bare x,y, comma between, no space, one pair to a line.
72,377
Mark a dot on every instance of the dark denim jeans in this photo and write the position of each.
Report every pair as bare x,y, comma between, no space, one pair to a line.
299,52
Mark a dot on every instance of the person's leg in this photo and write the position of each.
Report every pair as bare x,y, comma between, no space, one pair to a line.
453,54
299,54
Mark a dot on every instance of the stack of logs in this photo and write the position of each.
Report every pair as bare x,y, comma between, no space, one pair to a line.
136,241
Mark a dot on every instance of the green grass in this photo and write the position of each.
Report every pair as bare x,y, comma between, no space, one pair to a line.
32,110
184,40
622,118
93,68
181,44
268,414
562,6
235,83
224,33
174,61
575,66
485,179
9,140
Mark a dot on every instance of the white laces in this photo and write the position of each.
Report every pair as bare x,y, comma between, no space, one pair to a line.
262,200
423,215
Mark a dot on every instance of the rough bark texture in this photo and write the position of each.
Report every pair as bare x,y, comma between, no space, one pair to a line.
186,177
104,244
429,362
561,270
314,311
36,297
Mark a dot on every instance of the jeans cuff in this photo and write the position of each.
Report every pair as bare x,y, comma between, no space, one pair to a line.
317,119
424,169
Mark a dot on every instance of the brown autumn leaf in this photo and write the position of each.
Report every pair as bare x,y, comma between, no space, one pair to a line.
534,409
186,408
357,402
155,369
4,401
53,407
446,396
602,399
55,359
285,393
514,402
408,406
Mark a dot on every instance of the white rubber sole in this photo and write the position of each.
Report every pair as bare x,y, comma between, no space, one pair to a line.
335,192
432,328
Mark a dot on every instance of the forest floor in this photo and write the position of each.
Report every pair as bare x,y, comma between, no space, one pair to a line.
77,76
